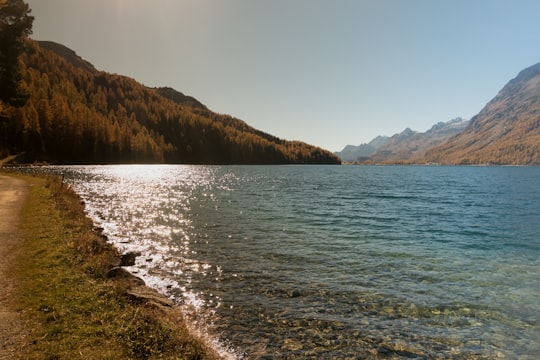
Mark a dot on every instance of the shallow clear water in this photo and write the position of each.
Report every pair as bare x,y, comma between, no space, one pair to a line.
335,262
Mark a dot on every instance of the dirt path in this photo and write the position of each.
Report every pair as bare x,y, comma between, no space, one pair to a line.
13,330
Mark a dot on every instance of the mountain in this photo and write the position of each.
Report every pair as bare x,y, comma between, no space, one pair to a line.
68,55
352,153
79,115
408,145
506,131
403,147
75,60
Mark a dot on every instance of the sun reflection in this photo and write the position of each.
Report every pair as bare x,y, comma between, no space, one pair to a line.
139,172
150,210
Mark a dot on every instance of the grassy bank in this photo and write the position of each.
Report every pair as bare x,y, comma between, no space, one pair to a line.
65,290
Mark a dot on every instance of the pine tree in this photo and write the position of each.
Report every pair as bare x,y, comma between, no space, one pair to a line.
15,26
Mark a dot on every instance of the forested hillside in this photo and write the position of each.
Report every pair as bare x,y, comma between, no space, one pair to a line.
78,115
506,131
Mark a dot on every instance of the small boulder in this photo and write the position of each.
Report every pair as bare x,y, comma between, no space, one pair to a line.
128,259
149,296
121,273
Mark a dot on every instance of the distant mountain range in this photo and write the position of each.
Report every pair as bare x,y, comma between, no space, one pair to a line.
404,146
506,132
352,153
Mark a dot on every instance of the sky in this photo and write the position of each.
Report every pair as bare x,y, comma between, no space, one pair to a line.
330,73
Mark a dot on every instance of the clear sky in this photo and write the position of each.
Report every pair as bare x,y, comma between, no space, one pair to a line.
330,73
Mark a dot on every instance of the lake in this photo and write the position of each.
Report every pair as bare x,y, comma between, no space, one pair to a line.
328,262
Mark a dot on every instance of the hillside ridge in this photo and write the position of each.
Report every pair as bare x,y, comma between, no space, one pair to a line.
71,56
506,131
78,115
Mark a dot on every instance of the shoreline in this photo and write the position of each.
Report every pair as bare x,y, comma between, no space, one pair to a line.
279,320
136,320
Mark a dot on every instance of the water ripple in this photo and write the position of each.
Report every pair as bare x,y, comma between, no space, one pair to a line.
335,262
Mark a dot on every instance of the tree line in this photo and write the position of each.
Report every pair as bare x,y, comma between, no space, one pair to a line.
73,115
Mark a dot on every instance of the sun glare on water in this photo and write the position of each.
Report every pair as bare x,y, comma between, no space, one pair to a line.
141,172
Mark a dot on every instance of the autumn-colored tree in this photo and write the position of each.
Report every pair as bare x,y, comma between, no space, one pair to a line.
77,115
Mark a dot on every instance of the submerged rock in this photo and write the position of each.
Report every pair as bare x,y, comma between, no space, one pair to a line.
296,293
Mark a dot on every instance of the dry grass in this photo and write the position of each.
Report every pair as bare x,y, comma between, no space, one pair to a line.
62,271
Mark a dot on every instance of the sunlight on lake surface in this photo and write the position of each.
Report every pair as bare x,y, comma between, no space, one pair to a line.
335,262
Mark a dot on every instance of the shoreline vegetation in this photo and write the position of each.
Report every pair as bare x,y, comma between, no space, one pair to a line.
80,302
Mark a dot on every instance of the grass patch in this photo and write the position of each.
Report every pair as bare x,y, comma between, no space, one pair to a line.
61,269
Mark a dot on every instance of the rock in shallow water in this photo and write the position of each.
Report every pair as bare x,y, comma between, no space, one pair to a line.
296,293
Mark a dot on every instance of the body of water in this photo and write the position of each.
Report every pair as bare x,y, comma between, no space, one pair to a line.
284,262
